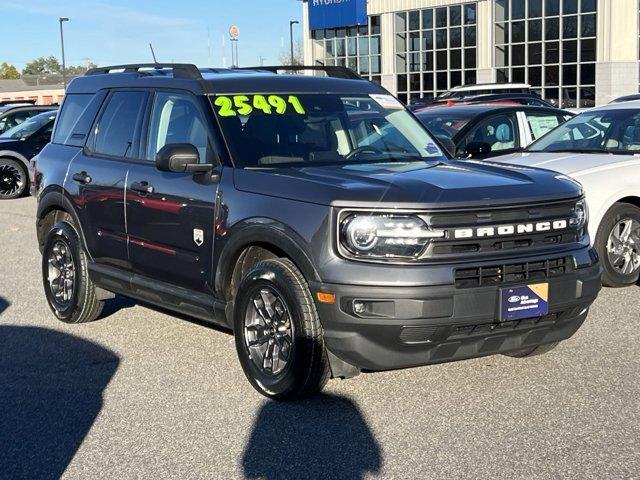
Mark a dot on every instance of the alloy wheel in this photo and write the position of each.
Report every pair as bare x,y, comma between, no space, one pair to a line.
11,181
623,246
62,274
268,331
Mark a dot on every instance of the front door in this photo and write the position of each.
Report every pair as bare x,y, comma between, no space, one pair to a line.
170,216
96,178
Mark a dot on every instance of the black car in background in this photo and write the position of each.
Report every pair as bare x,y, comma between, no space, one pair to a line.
488,130
14,112
18,145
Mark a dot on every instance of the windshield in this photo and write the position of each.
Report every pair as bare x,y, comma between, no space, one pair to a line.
444,124
606,131
269,131
29,127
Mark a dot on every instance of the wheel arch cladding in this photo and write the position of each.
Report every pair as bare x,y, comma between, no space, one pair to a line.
52,207
11,155
249,244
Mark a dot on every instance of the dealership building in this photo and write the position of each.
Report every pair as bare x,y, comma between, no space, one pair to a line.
579,53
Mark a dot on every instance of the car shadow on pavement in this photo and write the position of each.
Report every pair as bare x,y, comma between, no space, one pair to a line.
322,437
51,391
4,304
114,305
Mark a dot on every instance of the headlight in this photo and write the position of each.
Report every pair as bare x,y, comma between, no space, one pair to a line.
372,235
580,214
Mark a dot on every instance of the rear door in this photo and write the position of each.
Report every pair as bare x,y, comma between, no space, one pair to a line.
97,176
170,216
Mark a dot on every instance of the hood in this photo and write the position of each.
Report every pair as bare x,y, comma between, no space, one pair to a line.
410,185
573,164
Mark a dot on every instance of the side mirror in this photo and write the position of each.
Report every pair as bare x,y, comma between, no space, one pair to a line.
180,158
475,149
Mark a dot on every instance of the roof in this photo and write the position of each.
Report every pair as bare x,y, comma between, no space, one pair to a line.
217,81
631,104
479,108
482,86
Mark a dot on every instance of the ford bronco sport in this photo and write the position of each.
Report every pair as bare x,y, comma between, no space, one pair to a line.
314,216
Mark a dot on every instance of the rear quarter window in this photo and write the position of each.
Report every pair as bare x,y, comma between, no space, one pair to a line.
72,110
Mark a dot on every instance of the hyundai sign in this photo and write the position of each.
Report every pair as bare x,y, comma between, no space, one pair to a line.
336,13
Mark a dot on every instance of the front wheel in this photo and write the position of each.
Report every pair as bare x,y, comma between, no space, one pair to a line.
618,244
278,335
70,292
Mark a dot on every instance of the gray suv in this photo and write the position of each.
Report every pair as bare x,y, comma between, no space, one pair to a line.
314,216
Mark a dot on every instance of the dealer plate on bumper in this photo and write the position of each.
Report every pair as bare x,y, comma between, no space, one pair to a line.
524,301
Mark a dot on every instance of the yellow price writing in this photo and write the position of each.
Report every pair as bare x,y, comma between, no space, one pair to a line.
267,104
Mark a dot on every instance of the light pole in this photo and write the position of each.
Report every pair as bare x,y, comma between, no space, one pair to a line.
64,67
291,24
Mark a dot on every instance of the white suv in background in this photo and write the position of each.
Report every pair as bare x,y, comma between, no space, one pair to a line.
600,148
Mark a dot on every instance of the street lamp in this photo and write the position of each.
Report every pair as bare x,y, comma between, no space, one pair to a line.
64,73
291,24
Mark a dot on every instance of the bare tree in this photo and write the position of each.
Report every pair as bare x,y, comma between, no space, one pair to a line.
298,55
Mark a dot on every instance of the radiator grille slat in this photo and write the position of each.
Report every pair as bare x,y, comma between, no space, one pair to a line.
511,273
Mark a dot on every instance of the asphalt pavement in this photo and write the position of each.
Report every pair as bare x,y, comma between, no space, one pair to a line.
143,394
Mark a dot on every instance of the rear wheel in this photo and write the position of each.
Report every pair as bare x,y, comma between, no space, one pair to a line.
70,292
618,244
278,335
13,179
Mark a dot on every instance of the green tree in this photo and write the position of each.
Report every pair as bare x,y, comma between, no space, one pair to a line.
42,66
80,69
8,72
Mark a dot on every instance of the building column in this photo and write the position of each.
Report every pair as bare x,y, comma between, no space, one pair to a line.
617,50
485,72
388,36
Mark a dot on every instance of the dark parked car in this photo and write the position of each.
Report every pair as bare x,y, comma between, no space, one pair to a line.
316,217
18,145
14,112
483,131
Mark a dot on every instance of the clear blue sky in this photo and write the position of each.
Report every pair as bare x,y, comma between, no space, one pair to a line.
119,31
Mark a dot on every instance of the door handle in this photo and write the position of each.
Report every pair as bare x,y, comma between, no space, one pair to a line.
82,177
142,187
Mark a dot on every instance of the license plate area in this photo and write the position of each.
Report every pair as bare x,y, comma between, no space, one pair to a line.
524,301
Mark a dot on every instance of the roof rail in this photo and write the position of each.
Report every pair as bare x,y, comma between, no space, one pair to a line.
331,71
180,70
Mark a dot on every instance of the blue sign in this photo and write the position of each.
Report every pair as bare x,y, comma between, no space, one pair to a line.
337,13
527,301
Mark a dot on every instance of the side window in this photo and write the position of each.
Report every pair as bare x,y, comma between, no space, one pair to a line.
72,108
498,131
13,119
176,118
115,133
542,123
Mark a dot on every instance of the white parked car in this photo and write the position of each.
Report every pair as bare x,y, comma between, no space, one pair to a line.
600,148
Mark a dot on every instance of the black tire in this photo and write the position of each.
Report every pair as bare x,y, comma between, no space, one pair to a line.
14,180
82,305
611,276
307,367
532,351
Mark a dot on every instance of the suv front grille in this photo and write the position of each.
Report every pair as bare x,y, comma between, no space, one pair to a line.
511,273
449,248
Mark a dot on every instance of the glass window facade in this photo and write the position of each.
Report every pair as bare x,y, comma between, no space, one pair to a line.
435,50
358,48
550,44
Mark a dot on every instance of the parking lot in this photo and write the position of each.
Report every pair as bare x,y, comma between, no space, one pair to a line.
143,394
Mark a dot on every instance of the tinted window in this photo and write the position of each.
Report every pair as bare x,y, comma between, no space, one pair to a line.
14,119
72,108
498,131
116,130
176,119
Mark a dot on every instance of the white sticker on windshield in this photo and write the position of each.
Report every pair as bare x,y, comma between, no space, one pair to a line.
387,101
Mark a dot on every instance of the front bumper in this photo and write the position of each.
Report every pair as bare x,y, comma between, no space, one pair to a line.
411,326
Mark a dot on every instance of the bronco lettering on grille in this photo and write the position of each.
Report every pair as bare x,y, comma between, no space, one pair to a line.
515,229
